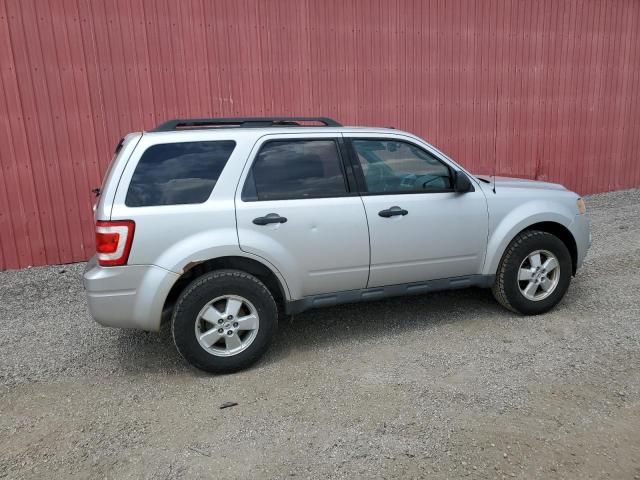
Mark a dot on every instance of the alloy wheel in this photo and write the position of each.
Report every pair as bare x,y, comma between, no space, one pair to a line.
227,325
538,275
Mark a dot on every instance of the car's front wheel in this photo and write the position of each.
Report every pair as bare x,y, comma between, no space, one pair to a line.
224,321
534,273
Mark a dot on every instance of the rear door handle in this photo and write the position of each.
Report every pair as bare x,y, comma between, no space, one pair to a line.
393,211
269,218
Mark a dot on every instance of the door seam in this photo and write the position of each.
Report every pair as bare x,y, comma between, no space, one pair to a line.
366,217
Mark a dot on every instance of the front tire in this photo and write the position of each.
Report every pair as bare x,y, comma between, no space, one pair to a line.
224,321
534,273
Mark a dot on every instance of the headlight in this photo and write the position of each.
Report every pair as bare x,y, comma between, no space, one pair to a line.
582,208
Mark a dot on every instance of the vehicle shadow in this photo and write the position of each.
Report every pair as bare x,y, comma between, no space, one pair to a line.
320,328
149,352
142,352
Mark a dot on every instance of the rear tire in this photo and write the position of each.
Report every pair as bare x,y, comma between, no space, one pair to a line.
534,273
224,321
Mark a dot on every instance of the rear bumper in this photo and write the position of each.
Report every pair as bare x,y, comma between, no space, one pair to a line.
131,296
582,234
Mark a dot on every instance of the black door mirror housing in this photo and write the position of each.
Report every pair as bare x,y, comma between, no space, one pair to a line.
461,183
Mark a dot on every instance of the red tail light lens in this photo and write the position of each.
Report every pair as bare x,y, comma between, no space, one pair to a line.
113,242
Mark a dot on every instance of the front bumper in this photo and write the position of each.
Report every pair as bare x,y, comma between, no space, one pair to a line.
582,234
131,296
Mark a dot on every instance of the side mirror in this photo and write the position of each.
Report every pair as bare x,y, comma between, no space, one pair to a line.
461,183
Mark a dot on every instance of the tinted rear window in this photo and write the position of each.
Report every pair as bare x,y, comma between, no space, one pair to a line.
295,169
178,173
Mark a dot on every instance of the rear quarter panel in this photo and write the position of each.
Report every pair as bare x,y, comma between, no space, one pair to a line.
174,236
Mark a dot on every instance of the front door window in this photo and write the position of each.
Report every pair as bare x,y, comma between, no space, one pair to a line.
392,166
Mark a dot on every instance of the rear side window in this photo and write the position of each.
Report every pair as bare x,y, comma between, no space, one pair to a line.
296,169
178,173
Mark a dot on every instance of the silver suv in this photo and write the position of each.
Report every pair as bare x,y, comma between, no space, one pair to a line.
222,225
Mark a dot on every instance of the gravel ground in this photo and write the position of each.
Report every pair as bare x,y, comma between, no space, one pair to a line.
440,386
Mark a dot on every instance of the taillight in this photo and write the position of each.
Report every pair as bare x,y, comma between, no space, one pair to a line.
113,242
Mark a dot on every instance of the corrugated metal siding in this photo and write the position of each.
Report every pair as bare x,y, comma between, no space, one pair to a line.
542,89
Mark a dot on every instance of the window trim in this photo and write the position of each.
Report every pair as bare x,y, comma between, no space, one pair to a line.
359,174
343,159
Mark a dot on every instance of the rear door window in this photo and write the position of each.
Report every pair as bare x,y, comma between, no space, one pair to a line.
296,169
178,173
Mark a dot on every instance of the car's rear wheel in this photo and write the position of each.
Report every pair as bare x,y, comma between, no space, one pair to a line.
224,321
534,273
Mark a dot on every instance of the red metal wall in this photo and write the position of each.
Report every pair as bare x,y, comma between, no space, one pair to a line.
544,89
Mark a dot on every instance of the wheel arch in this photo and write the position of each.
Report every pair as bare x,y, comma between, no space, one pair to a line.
564,234
553,227
264,273
551,217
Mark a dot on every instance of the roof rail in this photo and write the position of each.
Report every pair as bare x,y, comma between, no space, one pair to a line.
194,123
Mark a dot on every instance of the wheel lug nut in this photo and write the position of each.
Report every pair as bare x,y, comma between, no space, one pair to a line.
235,324
220,330
230,332
220,321
230,317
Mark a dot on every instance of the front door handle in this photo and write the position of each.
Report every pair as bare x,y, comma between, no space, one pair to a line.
269,218
390,212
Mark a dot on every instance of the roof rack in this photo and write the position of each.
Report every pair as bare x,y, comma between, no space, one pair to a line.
249,122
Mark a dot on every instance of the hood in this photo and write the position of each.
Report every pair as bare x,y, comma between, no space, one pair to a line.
509,182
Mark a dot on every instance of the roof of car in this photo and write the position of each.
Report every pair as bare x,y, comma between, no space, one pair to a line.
278,130
261,125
